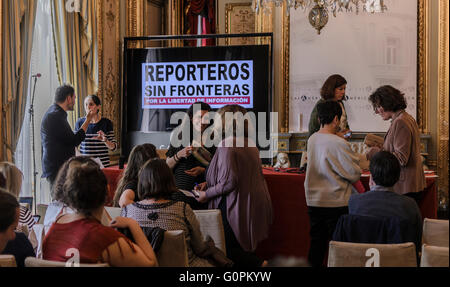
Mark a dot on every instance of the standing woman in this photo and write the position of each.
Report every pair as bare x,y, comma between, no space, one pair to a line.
99,135
402,140
332,90
235,184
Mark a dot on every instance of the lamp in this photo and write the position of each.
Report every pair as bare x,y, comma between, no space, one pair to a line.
318,15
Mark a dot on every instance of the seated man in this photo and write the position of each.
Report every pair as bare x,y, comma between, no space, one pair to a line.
332,169
382,201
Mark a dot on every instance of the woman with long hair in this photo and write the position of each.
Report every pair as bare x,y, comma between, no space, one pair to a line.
126,192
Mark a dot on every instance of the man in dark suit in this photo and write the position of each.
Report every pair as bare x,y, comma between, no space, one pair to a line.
58,139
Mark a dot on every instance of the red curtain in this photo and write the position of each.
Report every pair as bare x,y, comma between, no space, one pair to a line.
196,8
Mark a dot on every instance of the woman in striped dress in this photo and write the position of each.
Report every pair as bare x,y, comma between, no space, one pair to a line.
99,135
13,184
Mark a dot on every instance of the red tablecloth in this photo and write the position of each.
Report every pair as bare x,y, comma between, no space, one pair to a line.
289,233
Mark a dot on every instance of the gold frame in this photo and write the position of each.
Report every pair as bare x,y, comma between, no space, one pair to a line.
229,7
111,101
1,77
443,102
422,65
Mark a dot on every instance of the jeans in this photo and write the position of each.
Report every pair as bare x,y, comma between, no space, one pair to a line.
323,222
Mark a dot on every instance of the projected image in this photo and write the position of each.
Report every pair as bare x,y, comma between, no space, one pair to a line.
160,82
179,85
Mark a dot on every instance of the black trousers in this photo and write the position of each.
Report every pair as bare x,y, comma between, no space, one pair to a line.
239,256
322,223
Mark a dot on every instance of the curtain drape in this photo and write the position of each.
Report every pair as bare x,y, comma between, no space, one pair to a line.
75,38
206,9
18,17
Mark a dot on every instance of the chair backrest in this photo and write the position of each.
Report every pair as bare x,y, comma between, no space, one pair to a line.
346,254
7,261
173,251
113,211
211,224
435,232
434,256
35,262
41,209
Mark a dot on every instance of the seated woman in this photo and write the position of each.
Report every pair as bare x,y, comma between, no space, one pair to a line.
126,192
13,183
12,243
235,184
57,207
156,186
84,191
187,169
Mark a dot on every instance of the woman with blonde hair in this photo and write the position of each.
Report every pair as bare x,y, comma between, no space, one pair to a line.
13,184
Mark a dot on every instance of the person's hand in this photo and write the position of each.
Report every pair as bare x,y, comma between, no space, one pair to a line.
187,151
343,133
101,136
122,222
201,187
196,171
90,115
202,197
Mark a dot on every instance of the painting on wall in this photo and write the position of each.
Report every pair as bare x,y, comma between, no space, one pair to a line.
369,50
239,19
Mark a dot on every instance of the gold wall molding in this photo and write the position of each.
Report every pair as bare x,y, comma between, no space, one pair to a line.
422,66
108,17
1,77
443,102
243,15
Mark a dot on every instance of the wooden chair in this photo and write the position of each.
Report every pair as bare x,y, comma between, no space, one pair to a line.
173,250
211,225
7,261
345,254
435,232
41,209
35,262
434,256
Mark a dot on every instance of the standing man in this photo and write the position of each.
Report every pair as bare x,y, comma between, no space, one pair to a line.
332,169
58,139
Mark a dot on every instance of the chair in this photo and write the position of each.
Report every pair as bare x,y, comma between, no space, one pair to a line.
173,251
345,254
162,153
435,232
7,261
35,262
434,256
211,224
113,211
41,209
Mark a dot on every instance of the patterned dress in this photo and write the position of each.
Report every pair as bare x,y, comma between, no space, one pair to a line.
172,215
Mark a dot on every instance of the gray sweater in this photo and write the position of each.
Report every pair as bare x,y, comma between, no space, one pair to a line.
332,168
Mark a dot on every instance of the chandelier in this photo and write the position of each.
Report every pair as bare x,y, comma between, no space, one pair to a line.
318,15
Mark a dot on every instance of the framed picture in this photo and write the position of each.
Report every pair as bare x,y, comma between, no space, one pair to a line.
239,19
369,50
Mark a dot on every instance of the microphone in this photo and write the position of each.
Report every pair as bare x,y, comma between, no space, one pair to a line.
38,75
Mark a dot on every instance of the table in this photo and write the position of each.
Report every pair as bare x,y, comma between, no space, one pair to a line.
289,233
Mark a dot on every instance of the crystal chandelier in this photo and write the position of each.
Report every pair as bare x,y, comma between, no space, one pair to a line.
318,15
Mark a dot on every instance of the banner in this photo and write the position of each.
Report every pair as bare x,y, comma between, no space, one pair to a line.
179,85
